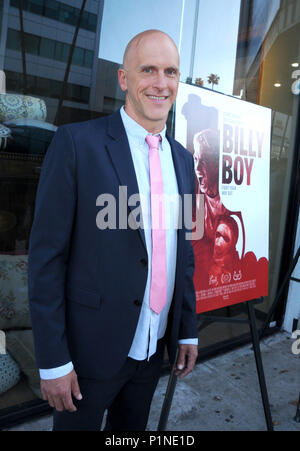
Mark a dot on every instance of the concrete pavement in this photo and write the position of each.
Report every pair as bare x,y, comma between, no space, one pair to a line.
222,394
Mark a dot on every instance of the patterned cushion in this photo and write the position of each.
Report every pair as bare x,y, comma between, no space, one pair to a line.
15,106
4,134
20,345
14,307
9,373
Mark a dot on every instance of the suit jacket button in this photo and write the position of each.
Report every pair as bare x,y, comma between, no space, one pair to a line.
138,303
144,262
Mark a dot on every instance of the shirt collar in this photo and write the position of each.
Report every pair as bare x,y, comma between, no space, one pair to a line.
136,131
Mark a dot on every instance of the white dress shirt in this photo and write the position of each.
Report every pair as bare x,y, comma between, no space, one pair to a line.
151,326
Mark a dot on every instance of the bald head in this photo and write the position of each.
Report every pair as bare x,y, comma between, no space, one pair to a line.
138,40
150,76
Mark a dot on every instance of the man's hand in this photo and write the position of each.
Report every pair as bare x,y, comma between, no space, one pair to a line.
186,359
58,392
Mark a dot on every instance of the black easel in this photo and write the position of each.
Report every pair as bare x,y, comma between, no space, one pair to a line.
286,279
259,366
297,416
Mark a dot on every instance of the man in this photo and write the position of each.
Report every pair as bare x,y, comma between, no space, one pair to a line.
206,165
99,340
206,161
226,265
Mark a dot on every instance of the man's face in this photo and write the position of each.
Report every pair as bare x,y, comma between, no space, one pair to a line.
223,240
150,77
206,171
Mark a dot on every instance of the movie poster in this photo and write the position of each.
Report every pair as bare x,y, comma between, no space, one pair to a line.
230,143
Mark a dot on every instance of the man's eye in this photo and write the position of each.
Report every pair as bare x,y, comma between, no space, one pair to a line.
171,72
148,70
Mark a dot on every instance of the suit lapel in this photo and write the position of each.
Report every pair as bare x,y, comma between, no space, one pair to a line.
179,165
119,151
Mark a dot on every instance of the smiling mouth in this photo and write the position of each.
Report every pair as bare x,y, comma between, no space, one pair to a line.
200,178
158,98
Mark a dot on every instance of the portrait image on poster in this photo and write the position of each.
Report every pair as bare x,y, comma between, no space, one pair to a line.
230,143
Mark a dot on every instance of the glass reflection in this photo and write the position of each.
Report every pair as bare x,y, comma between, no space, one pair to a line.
267,46
48,63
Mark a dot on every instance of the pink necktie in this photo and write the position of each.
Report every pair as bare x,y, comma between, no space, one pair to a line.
158,287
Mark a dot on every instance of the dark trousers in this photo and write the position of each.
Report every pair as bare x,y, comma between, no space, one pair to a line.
126,397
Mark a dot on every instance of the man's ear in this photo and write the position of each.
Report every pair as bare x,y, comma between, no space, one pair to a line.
122,77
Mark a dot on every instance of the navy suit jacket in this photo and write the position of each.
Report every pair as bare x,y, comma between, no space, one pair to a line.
86,285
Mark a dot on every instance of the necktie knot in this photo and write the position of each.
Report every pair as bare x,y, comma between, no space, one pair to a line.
153,141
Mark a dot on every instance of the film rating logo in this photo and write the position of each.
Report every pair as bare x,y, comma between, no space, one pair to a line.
2,342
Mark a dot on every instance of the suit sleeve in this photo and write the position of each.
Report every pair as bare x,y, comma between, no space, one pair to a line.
49,249
188,324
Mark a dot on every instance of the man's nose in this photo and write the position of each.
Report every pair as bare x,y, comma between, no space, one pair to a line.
160,81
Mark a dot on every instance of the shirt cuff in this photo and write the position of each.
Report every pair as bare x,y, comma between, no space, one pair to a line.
54,373
188,341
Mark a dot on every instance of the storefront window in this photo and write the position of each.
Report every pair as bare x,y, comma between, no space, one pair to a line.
264,75
58,64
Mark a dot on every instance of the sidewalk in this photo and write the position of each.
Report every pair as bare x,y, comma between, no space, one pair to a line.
223,393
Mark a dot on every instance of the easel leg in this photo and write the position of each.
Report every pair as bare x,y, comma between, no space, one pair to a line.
297,417
167,402
259,366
